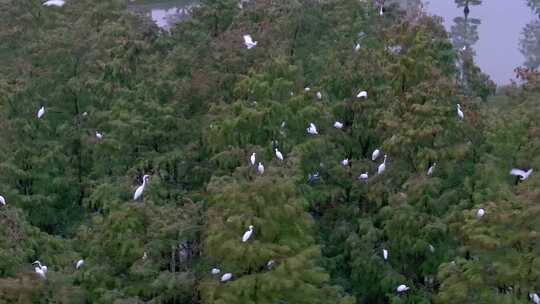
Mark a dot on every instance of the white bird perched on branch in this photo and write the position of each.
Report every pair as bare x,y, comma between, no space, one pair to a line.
58,3
2,201
338,125
431,169
215,271
523,175
41,270
279,155
312,129
362,94
138,193
79,264
247,234
260,168
226,277
459,112
480,213
364,176
375,154
402,288
385,254
41,112
253,158
382,166
248,42
345,162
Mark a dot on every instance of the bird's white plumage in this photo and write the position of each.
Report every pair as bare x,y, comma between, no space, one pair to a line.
534,298
338,125
357,47
319,95
2,200
362,94
253,158
307,89
138,193
459,111
215,271
480,213
79,264
227,276
364,176
41,112
431,248
375,154
431,169
270,264
385,254
247,234
312,129
402,288
260,168
382,166
58,3
523,175
345,162
99,135
279,155
248,42
41,270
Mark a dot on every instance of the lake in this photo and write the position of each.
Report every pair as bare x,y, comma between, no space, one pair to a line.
501,34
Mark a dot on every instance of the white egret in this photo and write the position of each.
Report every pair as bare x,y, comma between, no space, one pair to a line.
534,298
41,112
215,271
270,264
79,264
338,125
99,136
260,168
58,3
138,193
364,176
2,201
319,95
357,47
375,154
253,158
402,288
41,270
283,124
248,42
279,155
307,89
145,256
84,113
480,213
362,94
431,248
345,162
247,234
312,129
226,277
385,254
431,169
523,175
459,111
381,11
382,166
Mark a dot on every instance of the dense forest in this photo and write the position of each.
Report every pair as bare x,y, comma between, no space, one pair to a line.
96,101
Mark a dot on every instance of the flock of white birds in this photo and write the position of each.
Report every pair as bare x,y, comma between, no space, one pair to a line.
249,43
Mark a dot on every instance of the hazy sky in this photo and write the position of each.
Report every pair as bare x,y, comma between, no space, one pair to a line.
502,22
